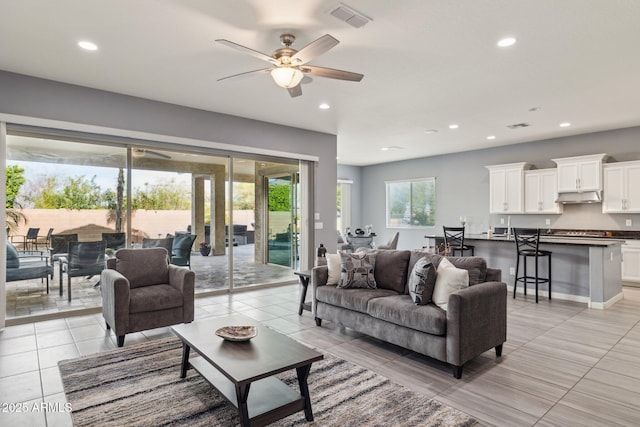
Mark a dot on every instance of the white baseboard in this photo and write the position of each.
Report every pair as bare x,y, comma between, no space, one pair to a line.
569,297
607,304
554,295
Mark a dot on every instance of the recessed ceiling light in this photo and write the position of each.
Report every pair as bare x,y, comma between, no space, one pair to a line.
491,137
87,45
565,125
431,131
384,149
324,106
506,42
454,126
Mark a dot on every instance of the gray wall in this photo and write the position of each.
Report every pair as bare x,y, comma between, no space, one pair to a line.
33,97
462,185
353,173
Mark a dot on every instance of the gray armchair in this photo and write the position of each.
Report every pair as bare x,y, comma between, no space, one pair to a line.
392,243
141,290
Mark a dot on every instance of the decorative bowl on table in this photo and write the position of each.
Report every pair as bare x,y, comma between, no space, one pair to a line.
237,333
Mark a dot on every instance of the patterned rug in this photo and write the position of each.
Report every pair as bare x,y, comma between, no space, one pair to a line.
140,386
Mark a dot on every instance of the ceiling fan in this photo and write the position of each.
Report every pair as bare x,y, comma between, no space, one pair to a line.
290,65
142,152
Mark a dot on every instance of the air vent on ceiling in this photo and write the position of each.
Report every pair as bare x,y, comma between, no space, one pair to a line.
350,16
518,125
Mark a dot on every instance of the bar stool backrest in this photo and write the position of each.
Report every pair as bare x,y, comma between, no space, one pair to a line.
453,236
527,240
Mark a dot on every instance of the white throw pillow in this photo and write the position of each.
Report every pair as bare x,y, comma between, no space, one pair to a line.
333,264
448,280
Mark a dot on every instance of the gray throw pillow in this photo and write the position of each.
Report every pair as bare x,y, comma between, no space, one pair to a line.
357,270
422,281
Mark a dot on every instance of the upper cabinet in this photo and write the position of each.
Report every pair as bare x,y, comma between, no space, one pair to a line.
620,195
506,188
581,173
540,192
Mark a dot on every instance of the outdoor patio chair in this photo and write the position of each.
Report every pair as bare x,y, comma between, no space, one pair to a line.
141,291
166,243
45,240
58,248
84,259
181,249
115,241
28,241
23,265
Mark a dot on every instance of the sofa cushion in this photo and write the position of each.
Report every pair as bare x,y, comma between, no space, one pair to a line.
143,267
352,299
357,270
422,280
13,257
476,266
154,298
449,279
391,269
401,310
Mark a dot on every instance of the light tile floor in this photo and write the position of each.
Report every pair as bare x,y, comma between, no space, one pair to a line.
563,364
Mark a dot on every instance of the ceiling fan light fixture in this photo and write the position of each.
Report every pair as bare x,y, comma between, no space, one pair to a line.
287,77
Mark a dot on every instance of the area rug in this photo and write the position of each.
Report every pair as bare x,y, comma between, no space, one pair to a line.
140,386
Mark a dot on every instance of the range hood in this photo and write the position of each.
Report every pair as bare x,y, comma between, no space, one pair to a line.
579,197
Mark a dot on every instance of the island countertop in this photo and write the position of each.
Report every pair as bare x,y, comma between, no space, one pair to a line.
556,240
585,269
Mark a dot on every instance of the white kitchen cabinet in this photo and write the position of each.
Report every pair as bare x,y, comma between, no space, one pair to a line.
540,192
631,263
580,173
621,188
506,188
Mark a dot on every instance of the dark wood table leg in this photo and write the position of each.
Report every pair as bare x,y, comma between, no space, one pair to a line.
185,360
303,374
304,281
242,394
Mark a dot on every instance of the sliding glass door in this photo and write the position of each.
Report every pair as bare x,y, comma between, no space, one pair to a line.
283,219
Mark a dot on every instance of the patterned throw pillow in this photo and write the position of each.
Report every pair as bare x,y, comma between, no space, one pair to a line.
357,270
422,281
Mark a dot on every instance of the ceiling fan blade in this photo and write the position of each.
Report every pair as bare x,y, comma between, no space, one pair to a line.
249,51
295,91
314,49
331,73
246,74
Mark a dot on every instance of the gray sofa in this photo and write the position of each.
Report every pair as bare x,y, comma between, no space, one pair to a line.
475,320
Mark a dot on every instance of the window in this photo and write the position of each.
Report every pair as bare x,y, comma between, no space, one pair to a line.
411,203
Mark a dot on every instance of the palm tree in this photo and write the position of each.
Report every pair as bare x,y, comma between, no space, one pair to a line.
14,217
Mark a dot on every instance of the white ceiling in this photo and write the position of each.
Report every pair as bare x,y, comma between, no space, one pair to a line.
427,64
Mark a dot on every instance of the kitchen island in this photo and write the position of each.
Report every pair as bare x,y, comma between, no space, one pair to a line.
583,269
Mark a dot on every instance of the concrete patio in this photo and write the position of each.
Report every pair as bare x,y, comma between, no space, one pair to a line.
29,297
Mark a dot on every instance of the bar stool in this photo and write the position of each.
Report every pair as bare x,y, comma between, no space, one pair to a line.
527,244
454,239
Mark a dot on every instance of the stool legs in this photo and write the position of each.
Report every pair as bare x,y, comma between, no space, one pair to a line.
525,279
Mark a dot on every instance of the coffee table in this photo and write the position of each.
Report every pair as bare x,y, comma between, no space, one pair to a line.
244,371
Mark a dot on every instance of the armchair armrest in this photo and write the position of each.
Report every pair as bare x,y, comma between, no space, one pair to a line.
183,280
319,277
115,300
476,321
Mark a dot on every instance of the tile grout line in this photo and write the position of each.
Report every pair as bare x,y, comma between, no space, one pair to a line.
590,368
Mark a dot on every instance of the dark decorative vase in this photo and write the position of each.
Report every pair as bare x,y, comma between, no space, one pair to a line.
205,251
